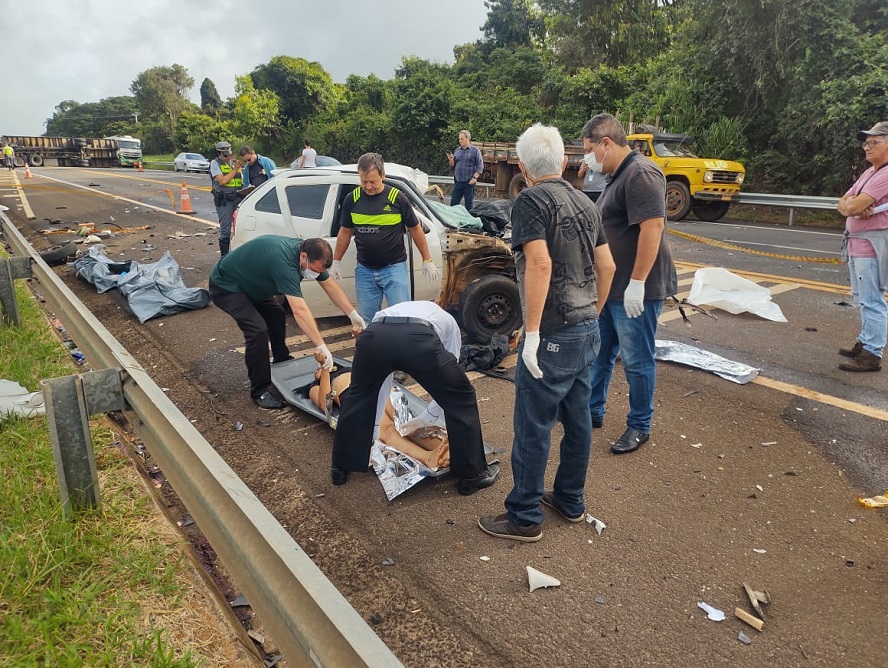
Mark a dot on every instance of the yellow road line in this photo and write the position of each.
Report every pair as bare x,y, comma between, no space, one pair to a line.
22,197
139,178
132,201
729,246
828,399
755,276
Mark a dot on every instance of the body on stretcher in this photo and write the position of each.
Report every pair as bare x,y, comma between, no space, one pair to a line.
294,378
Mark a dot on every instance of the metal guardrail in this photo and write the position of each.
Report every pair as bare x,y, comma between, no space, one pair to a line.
308,618
792,202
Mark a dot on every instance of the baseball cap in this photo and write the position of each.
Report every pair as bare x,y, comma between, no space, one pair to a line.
223,147
880,128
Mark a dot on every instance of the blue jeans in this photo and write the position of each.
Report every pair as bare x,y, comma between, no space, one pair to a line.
633,339
461,190
868,293
561,394
371,285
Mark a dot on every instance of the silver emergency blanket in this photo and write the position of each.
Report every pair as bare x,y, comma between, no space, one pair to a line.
681,353
152,290
396,471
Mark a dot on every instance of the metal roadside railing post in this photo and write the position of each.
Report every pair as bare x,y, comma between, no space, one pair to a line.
69,402
10,269
791,212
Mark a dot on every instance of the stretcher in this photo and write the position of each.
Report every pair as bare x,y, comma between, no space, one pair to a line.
293,379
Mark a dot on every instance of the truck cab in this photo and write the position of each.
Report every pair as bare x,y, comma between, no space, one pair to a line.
707,186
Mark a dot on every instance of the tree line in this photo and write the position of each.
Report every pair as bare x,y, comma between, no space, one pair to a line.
782,86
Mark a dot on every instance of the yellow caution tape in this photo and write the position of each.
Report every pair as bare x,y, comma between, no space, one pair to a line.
729,246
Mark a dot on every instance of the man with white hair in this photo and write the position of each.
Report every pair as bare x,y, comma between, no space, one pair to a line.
564,269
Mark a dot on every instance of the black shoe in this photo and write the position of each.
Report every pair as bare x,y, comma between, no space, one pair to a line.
283,359
549,500
269,400
865,361
483,480
597,424
630,441
338,476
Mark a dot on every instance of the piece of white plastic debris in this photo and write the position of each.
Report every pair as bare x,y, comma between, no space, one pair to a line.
714,614
696,445
759,550
598,524
537,579
484,558
759,488
767,443
745,639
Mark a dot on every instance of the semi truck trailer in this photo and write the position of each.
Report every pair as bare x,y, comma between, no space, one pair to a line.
119,151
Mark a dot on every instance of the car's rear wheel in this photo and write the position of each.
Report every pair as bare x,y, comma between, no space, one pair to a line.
490,305
710,211
678,200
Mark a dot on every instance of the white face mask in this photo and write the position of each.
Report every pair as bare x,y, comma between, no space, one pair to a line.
592,162
309,275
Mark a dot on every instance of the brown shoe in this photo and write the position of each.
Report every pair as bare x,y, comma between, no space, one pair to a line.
853,351
865,361
501,527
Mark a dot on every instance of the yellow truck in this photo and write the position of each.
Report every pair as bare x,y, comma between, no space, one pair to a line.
706,186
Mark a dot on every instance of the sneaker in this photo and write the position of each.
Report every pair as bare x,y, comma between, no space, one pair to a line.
500,526
853,351
549,500
269,400
865,361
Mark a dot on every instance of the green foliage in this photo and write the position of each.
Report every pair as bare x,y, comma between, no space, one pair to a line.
303,88
255,112
107,117
199,133
210,102
512,23
161,92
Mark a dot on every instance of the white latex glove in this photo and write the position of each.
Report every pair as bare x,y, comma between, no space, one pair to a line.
633,298
328,357
335,271
529,353
358,324
430,271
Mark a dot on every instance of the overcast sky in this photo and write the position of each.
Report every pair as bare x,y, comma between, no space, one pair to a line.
58,50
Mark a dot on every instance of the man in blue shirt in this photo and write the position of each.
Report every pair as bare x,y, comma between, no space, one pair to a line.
257,168
467,165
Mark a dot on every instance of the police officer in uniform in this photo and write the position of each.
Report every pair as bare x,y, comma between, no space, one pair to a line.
227,180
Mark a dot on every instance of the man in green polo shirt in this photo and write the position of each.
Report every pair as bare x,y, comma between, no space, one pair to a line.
245,282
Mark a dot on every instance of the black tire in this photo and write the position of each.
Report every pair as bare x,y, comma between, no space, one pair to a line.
19,161
79,142
710,212
490,305
58,254
516,185
678,200
35,160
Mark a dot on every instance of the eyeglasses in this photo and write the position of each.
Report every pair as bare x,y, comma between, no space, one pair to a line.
872,143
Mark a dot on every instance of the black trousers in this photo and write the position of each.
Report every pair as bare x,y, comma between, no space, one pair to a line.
261,323
416,349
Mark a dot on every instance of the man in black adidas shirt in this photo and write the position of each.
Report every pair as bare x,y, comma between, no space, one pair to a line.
377,215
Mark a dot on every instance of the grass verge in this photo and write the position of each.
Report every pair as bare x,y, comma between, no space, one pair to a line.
109,587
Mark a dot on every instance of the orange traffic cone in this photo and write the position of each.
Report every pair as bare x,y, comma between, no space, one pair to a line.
185,201
140,166
27,171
